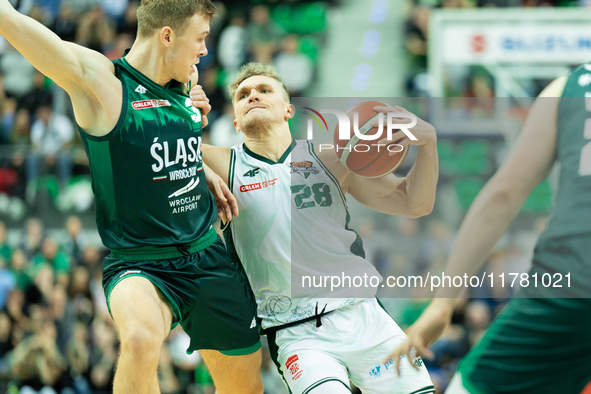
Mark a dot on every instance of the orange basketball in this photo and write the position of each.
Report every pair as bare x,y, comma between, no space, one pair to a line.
366,157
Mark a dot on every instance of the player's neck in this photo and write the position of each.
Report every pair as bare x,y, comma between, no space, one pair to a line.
269,145
147,60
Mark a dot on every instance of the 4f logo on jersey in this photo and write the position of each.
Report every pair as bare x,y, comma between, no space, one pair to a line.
140,89
252,172
304,168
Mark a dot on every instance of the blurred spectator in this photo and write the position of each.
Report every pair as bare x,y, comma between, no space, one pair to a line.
75,241
232,46
263,35
478,318
295,68
123,41
115,9
218,96
223,132
32,240
417,33
51,256
38,363
80,7
51,137
18,269
37,96
96,31
6,344
18,73
15,309
66,24
78,356
5,249
7,281
129,23
102,357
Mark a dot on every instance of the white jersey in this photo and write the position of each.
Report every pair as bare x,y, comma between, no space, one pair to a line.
293,224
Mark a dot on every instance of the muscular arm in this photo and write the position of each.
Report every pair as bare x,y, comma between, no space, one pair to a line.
497,204
411,196
216,162
492,211
86,75
217,159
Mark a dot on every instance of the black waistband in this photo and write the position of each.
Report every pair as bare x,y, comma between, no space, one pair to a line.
316,316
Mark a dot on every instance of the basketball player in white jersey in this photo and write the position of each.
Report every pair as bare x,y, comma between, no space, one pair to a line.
318,343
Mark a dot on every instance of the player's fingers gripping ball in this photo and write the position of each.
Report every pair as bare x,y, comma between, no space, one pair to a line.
361,148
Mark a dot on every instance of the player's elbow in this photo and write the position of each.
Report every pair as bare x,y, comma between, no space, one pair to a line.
421,211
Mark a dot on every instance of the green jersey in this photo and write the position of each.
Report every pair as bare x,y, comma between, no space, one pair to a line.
147,173
572,213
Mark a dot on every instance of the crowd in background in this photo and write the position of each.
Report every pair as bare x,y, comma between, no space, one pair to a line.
56,334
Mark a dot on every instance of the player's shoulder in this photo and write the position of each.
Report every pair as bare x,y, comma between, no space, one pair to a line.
556,87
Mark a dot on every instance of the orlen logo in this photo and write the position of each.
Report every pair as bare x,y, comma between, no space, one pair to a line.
478,43
150,104
258,185
291,360
345,124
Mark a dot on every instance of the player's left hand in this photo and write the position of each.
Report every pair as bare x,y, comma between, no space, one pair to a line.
224,199
200,101
429,327
423,131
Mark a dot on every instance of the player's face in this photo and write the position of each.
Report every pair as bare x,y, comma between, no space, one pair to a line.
260,101
188,47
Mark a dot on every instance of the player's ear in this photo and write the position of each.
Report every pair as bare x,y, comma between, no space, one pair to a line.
236,126
166,35
290,112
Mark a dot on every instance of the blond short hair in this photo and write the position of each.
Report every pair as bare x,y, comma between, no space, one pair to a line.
253,70
155,14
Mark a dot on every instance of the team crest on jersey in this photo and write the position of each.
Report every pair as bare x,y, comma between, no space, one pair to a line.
304,168
186,88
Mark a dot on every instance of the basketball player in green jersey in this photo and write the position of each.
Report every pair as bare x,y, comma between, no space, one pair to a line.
154,211
541,342
294,218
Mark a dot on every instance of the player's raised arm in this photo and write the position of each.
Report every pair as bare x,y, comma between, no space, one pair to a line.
411,196
55,58
87,76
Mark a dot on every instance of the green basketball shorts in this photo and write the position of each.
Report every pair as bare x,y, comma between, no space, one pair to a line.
539,345
208,294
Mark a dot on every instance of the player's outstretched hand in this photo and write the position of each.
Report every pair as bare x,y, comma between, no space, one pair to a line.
200,101
224,199
423,131
427,329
